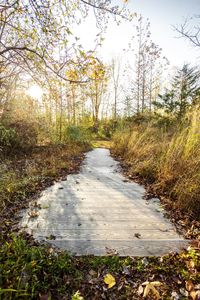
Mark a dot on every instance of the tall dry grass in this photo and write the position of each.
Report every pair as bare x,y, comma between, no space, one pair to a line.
167,157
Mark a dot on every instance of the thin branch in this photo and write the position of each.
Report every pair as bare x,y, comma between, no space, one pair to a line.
24,48
193,35
116,13
4,7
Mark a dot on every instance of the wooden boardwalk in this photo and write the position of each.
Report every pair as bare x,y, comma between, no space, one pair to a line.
98,212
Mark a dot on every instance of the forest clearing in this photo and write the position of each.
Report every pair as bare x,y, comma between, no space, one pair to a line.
99,150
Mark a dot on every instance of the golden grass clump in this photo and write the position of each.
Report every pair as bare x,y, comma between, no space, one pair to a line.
169,158
180,167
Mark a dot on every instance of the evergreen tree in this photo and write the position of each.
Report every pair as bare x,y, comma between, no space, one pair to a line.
184,92
185,86
166,102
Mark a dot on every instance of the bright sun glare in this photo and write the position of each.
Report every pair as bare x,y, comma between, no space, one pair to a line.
35,91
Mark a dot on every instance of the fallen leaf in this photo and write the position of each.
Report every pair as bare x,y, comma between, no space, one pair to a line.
137,235
189,285
51,250
140,290
195,295
111,252
183,292
109,280
197,287
146,291
150,287
33,214
155,283
92,273
175,296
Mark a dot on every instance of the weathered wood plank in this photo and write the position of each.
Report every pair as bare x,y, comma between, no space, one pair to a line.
99,208
123,247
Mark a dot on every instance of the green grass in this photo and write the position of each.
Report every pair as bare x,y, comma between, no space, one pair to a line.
33,272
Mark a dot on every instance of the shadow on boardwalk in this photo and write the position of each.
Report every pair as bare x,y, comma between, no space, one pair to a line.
99,209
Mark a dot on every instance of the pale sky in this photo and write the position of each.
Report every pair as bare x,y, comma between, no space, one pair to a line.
162,14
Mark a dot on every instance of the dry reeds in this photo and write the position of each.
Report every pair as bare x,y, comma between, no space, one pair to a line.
169,158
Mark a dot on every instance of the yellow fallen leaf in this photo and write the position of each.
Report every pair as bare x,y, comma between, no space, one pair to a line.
195,295
109,280
156,283
155,292
146,290
150,287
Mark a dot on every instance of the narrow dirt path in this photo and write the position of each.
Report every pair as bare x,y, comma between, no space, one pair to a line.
99,211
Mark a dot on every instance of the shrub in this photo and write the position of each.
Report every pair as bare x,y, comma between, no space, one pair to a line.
73,133
26,136
18,136
7,137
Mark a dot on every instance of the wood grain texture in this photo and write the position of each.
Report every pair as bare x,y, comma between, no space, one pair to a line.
99,208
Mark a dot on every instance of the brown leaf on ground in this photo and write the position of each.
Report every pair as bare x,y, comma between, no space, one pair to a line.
137,235
150,288
189,285
111,252
33,214
93,273
140,290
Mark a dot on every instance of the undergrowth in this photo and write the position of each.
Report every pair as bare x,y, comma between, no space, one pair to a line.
39,272
23,175
167,156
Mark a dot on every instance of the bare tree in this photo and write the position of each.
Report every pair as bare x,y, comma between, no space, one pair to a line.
115,73
148,56
190,30
143,35
98,72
